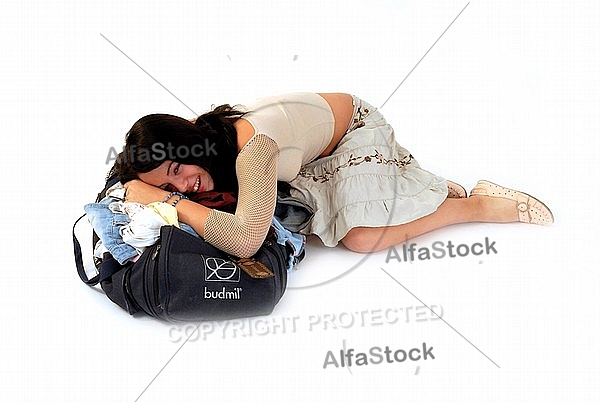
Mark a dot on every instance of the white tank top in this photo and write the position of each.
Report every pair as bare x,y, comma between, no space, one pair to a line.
302,125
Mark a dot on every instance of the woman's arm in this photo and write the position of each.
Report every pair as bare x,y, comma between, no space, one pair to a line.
191,213
240,234
243,233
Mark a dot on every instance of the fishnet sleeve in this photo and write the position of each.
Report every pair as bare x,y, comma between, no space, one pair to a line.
241,234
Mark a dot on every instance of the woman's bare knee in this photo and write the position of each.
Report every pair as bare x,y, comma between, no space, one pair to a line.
360,239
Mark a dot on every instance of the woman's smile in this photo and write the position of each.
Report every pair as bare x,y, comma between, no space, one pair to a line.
182,177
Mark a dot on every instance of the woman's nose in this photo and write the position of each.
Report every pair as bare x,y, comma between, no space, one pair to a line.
181,185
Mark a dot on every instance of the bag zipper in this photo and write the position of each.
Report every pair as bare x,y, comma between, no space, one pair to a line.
155,275
152,264
155,253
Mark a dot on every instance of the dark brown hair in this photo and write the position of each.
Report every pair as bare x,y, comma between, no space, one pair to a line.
155,138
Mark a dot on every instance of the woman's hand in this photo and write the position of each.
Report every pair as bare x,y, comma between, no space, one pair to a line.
141,192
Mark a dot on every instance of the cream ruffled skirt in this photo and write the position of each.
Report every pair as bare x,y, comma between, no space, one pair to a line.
368,181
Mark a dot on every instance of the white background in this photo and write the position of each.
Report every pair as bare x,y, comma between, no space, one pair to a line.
510,93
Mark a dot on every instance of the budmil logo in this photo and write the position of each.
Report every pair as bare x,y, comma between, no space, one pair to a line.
221,270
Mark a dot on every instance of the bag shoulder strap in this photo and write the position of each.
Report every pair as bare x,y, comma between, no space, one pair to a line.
108,267
79,260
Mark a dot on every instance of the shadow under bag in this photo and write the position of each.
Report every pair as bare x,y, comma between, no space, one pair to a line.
184,278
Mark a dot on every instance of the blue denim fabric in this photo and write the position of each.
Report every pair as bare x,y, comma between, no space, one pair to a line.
296,241
291,212
188,229
107,225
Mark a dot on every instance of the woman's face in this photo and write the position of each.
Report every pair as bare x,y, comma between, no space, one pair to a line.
173,176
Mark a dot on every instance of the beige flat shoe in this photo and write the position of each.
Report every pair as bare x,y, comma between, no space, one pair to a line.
531,210
456,191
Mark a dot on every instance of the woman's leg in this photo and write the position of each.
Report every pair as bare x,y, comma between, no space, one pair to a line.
451,211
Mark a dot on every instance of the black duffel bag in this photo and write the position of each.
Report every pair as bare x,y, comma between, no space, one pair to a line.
184,278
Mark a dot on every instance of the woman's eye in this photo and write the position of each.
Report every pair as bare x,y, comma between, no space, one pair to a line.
176,170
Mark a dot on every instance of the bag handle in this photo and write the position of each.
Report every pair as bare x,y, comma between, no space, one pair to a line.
106,269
